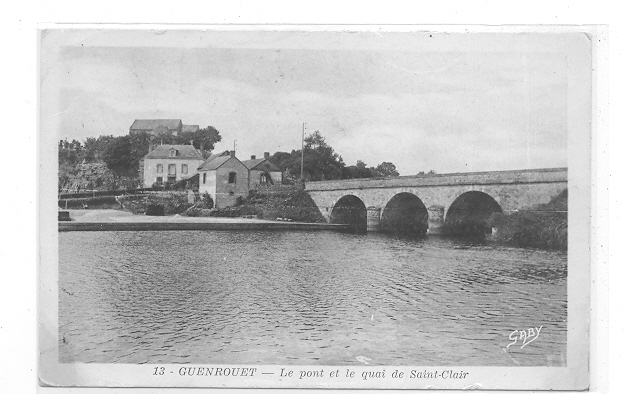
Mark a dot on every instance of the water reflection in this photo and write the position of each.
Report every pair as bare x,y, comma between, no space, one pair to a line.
305,298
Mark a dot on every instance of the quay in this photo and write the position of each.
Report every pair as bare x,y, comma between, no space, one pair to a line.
112,220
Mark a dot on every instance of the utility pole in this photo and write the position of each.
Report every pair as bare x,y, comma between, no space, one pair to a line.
302,138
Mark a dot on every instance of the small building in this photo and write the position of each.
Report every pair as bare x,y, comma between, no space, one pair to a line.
157,126
262,172
224,178
170,163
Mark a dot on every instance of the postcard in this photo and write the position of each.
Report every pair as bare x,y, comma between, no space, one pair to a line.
363,207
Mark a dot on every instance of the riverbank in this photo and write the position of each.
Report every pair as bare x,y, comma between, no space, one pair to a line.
545,227
291,204
115,220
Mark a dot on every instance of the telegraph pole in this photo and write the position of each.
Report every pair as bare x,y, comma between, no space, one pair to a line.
302,137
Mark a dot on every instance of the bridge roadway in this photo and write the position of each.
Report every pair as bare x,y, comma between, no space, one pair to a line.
435,203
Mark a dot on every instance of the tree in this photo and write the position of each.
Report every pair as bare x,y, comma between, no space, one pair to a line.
386,169
69,154
359,170
206,138
320,162
94,147
124,153
281,159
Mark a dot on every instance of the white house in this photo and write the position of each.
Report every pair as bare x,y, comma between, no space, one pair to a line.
170,163
225,178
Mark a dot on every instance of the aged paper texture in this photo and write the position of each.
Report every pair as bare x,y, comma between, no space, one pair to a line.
435,233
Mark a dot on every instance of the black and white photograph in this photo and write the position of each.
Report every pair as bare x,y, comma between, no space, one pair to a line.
321,207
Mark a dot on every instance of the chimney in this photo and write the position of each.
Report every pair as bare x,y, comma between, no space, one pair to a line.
253,157
266,155
232,153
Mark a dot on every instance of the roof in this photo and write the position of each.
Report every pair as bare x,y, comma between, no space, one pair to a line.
217,162
184,181
215,155
190,127
184,152
151,124
260,164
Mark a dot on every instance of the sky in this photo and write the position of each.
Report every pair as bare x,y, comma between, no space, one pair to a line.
466,102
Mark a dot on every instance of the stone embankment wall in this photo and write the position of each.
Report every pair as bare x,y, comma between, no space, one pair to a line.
172,202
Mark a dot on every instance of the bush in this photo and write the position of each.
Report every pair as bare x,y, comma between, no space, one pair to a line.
193,212
207,201
538,229
296,205
196,211
544,227
173,202
155,210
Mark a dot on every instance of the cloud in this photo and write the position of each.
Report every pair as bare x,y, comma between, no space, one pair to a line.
449,111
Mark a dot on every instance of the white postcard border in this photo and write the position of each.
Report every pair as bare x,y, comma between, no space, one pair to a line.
574,376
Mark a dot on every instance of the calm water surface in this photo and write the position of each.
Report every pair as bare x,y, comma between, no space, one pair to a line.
306,298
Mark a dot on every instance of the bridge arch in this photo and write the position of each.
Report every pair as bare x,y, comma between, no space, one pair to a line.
469,213
349,209
404,213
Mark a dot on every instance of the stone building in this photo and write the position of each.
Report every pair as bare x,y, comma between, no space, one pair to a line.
161,126
224,178
186,128
262,172
170,163
157,126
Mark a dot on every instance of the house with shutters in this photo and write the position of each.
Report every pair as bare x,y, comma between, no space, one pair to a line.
224,178
170,163
262,172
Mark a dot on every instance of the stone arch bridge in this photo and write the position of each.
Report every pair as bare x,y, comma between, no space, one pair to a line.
441,203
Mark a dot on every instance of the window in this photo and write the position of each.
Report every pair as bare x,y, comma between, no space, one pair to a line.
184,169
172,169
172,152
159,168
232,177
204,178
159,180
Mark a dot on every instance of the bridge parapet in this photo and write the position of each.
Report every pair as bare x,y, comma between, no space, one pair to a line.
543,175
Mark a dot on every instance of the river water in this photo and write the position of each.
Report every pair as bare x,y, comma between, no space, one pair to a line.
305,298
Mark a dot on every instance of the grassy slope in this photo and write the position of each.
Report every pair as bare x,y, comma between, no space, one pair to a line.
544,227
294,205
